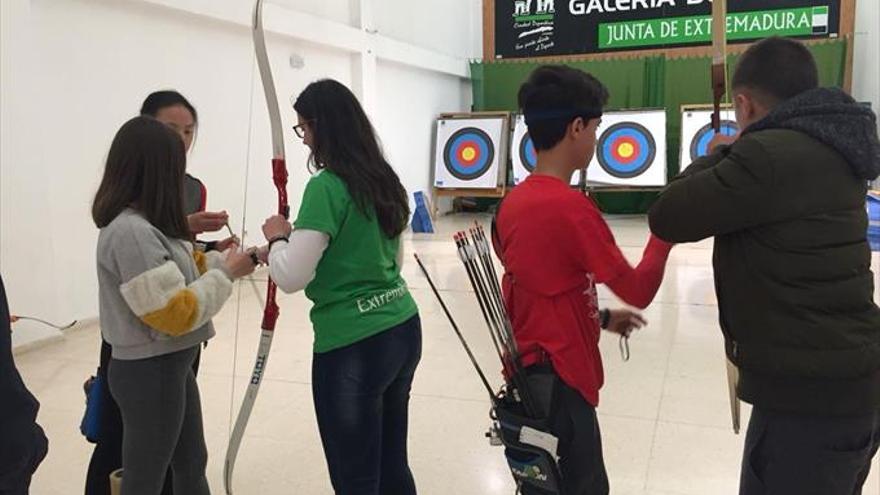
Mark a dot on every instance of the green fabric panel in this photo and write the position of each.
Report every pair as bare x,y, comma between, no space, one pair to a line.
500,82
477,85
648,82
831,60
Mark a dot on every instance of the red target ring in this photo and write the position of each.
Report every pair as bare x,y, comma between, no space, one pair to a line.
468,153
622,145
626,150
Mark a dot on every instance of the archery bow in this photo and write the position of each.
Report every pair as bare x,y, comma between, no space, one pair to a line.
719,59
270,313
719,90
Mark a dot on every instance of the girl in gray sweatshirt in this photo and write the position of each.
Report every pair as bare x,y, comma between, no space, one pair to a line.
157,297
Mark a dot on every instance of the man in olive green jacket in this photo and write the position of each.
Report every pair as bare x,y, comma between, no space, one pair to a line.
785,202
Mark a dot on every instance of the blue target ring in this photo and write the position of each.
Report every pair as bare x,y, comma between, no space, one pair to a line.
468,153
527,154
626,150
700,143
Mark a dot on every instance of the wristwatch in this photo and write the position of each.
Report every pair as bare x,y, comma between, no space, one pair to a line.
604,318
277,239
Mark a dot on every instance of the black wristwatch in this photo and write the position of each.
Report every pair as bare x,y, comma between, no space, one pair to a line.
277,239
604,318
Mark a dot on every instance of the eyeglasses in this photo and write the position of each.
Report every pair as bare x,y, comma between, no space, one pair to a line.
300,129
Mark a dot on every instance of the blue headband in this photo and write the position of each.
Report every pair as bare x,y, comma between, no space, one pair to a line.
565,113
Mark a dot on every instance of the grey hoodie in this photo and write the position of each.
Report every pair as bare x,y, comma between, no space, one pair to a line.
834,118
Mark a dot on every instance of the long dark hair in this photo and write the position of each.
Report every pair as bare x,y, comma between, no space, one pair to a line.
345,143
167,98
144,171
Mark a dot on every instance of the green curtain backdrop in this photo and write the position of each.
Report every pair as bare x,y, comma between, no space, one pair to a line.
648,82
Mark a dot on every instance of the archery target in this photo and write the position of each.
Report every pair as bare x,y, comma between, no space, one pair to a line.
696,132
627,149
524,156
469,152
630,150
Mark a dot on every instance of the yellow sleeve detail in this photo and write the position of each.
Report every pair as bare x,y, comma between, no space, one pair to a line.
177,317
201,261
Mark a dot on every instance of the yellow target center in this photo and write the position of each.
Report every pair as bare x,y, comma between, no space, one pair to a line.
626,150
468,154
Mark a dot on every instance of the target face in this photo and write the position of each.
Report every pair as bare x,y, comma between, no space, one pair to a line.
527,153
471,151
468,153
626,150
700,143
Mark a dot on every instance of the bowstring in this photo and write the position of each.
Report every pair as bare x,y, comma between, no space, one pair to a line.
243,233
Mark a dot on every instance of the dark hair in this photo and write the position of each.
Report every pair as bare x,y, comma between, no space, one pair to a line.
345,143
553,96
144,171
168,98
776,69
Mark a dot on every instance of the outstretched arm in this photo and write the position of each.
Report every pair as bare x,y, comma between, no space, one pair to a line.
598,253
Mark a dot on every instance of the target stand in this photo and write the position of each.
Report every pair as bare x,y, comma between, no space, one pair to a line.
697,131
471,154
630,152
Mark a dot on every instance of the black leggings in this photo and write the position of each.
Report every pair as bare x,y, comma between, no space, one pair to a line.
162,417
361,395
107,456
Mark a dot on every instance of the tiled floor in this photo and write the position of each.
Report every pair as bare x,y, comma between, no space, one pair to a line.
664,414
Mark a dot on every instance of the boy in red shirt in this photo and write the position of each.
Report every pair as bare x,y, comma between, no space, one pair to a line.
555,247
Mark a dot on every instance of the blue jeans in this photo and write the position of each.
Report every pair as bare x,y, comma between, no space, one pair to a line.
361,395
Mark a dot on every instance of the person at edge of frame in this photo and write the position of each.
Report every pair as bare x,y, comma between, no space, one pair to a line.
785,203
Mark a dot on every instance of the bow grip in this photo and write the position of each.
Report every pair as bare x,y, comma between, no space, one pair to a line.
279,177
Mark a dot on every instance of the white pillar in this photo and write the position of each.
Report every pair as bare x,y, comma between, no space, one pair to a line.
364,63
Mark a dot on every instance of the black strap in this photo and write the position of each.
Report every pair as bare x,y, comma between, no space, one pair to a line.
277,239
496,239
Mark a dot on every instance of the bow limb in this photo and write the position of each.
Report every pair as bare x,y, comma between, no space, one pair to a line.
719,59
15,318
719,90
270,312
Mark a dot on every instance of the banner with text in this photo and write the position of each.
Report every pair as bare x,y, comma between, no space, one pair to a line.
535,28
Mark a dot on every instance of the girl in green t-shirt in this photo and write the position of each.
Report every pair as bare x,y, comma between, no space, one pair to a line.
345,250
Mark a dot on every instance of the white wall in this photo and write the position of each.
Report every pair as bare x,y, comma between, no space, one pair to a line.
410,149
72,71
866,61
455,26
335,10
27,259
